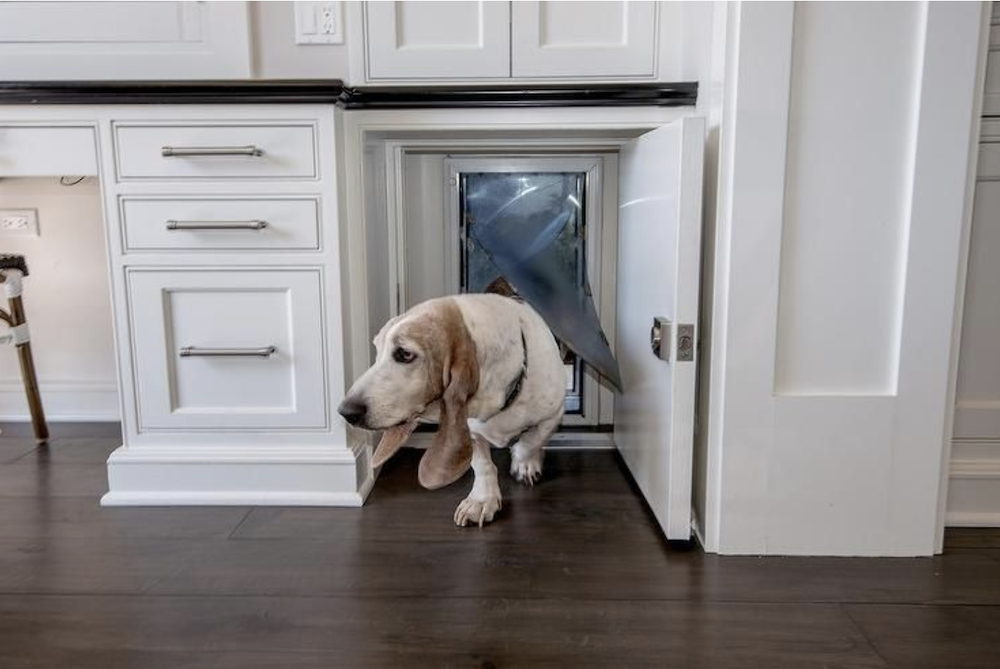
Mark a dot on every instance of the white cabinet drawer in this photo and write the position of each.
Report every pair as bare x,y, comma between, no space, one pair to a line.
224,151
228,349
43,151
193,224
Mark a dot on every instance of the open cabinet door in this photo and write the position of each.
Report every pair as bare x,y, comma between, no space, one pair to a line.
659,255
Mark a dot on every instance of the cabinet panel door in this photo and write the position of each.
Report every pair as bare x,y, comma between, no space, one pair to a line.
437,40
123,40
583,39
228,349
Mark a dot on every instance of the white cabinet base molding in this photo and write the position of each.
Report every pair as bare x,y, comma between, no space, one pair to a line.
240,476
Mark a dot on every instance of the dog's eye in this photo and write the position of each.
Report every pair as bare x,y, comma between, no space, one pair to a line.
403,356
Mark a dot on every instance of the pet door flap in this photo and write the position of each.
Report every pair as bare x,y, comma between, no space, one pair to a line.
519,224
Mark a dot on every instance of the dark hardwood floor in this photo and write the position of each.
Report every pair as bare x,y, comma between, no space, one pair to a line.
572,574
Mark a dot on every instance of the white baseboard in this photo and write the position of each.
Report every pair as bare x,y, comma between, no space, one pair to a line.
243,477
974,484
77,401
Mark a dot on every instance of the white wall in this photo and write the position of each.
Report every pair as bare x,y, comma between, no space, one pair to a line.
67,300
277,56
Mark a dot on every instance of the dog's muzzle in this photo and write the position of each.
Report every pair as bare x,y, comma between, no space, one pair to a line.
353,411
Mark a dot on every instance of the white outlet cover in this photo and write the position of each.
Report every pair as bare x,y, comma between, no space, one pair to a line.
18,222
319,23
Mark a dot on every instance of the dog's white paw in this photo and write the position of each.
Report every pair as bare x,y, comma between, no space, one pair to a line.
477,510
526,469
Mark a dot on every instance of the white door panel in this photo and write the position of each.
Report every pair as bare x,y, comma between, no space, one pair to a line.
659,253
583,39
437,40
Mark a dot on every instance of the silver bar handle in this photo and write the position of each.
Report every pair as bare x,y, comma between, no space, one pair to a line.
194,151
198,352
216,225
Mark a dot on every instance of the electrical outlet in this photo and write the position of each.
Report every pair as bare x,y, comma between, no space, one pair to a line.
319,23
19,222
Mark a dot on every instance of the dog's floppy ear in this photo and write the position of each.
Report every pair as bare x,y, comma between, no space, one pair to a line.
392,439
450,454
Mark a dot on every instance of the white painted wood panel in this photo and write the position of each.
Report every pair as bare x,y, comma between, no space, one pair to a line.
659,252
437,40
851,472
207,224
274,151
123,40
843,248
171,310
40,151
584,39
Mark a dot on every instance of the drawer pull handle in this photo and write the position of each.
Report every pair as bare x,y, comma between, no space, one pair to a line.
196,352
216,225
195,151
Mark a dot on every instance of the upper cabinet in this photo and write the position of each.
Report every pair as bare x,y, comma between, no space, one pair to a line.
443,40
123,40
446,41
583,39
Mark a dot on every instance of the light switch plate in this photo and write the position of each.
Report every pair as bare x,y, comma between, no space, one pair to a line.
19,222
319,23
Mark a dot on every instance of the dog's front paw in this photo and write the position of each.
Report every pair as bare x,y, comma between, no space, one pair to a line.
476,510
526,469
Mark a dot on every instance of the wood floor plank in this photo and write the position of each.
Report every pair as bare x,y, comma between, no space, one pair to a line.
28,479
81,450
57,565
432,632
12,448
83,517
932,637
972,537
477,566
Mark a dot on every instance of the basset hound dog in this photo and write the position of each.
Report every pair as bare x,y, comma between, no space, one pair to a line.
486,369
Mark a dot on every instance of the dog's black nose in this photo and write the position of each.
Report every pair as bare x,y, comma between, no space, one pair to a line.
352,410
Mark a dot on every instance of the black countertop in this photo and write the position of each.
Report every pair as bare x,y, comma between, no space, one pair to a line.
333,91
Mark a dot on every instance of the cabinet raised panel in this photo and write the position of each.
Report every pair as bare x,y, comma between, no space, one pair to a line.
583,39
440,40
123,40
228,349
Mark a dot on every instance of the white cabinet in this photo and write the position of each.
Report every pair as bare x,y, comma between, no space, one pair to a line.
228,350
123,40
448,41
223,241
224,247
583,39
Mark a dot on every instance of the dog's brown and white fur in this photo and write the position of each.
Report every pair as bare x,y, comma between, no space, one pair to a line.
457,361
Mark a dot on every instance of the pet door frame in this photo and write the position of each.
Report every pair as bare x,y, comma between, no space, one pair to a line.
600,248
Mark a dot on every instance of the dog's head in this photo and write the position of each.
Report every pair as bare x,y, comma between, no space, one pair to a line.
423,356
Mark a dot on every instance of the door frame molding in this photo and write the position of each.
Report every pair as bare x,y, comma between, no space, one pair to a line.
583,129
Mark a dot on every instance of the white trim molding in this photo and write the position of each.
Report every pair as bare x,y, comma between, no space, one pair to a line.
63,400
974,483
